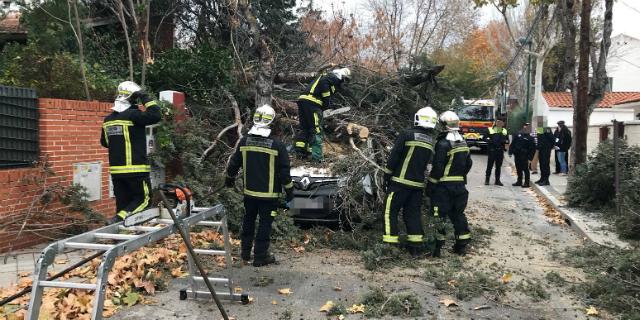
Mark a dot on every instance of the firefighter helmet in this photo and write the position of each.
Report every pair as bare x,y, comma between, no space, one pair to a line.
450,121
342,74
126,90
426,118
264,116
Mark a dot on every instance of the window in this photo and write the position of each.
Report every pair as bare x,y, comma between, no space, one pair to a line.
19,134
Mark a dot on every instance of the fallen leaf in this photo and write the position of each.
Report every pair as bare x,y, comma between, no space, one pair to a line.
337,289
24,274
341,317
273,302
298,249
61,261
178,273
592,311
250,299
306,238
506,278
452,283
327,306
356,308
285,291
448,302
131,298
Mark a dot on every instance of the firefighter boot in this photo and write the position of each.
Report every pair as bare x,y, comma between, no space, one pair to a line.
414,251
460,248
518,183
498,183
263,261
436,251
486,181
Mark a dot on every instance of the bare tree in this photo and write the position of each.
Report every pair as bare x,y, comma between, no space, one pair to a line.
73,5
590,95
567,18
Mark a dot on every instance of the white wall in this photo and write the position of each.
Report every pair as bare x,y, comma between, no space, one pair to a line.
623,63
631,134
598,116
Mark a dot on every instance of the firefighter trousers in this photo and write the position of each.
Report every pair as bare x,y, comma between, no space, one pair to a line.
309,138
133,194
494,157
410,201
265,209
450,200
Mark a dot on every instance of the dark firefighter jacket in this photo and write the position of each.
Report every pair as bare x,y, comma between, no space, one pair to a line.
523,146
451,162
497,139
546,140
321,90
265,167
125,136
409,157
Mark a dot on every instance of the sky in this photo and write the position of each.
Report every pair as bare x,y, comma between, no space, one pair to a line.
626,13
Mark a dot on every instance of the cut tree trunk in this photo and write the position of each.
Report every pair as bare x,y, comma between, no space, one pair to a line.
581,107
568,22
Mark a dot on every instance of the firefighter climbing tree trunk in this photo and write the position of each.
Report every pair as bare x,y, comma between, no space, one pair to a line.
264,76
590,93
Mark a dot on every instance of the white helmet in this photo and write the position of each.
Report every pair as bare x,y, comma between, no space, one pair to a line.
264,116
450,121
426,118
342,74
126,89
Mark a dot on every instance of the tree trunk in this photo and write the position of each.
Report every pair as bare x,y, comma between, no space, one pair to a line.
264,76
567,21
80,49
145,47
123,21
581,106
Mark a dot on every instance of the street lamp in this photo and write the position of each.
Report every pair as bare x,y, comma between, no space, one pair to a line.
522,42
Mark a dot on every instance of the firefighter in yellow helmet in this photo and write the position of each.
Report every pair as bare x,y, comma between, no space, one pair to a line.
265,168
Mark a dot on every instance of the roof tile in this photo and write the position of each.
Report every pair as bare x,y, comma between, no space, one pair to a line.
565,99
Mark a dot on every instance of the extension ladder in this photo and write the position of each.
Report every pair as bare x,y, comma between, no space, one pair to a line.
151,232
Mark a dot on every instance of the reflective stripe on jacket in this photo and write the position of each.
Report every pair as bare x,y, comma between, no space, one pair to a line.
451,162
125,136
265,166
409,157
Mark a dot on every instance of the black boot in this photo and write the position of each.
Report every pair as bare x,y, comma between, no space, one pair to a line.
544,183
526,184
263,261
114,220
414,251
486,181
437,250
498,183
539,180
460,248
517,184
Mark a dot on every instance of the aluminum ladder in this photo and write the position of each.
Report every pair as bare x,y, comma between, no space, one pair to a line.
154,231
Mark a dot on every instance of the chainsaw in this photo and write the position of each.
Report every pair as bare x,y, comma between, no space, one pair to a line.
181,196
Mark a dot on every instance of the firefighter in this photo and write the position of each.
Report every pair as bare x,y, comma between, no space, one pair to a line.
446,187
496,146
546,142
522,148
405,179
265,168
123,132
310,106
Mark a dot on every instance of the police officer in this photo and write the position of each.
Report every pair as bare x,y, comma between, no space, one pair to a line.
405,178
522,148
451,164
310,107
546,142
497,139
123,132
265,167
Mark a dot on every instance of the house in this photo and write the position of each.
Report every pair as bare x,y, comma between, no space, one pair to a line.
623,64
622,106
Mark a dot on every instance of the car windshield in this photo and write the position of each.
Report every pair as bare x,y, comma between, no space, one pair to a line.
473,112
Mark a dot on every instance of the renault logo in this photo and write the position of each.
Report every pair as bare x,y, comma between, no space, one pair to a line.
305,182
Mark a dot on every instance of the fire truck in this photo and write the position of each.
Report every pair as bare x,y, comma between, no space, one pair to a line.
476,117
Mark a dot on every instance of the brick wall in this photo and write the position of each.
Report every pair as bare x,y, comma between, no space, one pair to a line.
69,133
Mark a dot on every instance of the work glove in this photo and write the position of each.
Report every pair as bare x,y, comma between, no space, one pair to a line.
229,182
288,194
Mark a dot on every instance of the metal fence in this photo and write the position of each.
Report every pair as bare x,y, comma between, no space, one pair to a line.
19,135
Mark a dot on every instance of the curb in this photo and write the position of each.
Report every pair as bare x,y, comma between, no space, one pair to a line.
578,224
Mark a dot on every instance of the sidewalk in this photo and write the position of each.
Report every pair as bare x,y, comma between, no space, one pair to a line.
584,223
